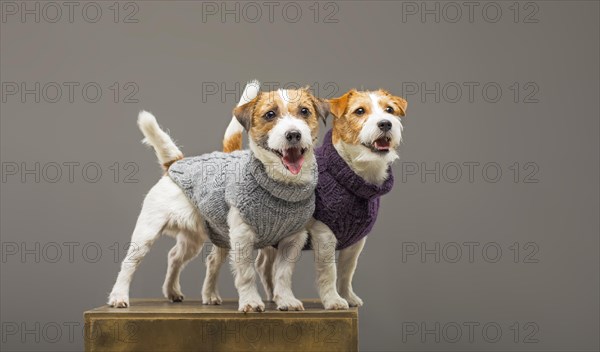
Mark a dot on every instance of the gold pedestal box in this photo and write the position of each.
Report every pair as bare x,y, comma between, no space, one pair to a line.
159,325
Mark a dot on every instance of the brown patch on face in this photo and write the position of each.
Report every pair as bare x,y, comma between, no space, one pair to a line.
318,109
260,115
348,119
386,100
261,125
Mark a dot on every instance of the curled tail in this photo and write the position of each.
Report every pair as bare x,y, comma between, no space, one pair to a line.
164,147
233,135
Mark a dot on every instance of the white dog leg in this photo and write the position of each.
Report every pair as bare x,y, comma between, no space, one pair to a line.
188,246
346,266
147,229
242,240
323,243
264,266
288,252
210,292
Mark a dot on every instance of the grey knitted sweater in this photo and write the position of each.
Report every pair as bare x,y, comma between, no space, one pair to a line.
217,181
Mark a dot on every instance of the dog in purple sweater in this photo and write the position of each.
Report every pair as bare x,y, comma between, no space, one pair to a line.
354,172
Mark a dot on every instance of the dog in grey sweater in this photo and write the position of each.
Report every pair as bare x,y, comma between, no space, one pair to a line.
217,181
241,201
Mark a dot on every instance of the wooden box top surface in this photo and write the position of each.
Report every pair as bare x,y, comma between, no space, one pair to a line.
190,308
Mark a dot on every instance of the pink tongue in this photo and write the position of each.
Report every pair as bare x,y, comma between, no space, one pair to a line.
382,144
293,160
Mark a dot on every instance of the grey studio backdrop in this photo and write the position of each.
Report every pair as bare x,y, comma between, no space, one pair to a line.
489,240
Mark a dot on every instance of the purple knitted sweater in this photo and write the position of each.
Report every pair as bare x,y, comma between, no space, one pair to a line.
345,202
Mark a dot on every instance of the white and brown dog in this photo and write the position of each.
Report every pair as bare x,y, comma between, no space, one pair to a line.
283,127
354,171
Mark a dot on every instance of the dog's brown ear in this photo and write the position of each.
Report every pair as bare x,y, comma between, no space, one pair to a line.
322,107
244,112
338,106
402,104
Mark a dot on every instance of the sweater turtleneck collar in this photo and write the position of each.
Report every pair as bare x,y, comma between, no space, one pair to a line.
286,191
330,161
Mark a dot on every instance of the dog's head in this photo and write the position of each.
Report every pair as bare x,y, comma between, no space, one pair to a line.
369,120
283,126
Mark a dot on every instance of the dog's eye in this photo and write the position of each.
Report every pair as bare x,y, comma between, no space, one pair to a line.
270,115
389,110
359,111
304,112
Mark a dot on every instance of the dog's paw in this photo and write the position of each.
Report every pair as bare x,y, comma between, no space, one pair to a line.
335,303
176,298
352,299
288,303
173,294
211,298
117,300
251,305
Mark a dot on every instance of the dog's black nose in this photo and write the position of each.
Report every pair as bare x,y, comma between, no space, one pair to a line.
384,125
293,136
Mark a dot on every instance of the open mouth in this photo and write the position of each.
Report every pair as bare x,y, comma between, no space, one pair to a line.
380,145
292,158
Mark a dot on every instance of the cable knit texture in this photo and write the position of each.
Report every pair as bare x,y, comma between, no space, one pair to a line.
217,181
345,202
